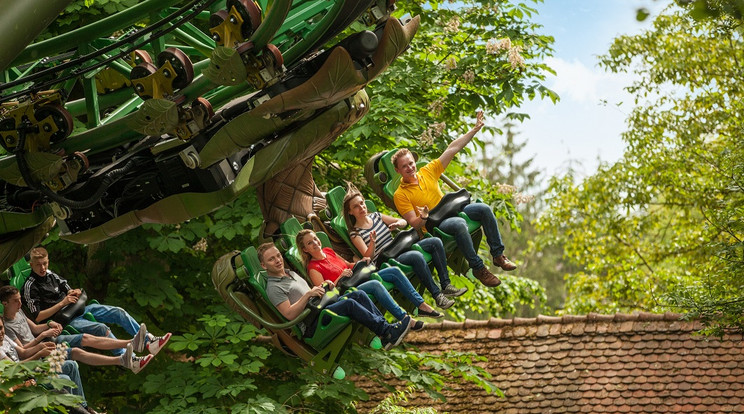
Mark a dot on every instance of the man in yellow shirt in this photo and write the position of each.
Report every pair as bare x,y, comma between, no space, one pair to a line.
419,192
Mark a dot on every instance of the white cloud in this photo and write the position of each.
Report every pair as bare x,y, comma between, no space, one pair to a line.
576,82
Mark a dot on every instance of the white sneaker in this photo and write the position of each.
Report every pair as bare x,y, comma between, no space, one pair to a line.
137,363
134,362
138,342
157,343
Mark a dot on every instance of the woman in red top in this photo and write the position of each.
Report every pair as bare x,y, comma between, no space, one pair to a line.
323,264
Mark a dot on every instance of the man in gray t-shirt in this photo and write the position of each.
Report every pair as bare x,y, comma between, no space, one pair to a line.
290,294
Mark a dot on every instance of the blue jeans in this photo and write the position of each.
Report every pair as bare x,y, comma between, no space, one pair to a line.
70,372
457,227
359,307
106,314
75,341
376,289
396,277
415,259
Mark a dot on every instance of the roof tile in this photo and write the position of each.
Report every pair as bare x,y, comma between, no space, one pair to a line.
640,362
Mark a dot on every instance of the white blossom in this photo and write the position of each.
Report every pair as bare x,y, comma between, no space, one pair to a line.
450,63
515,58
437,106
468,76
453,25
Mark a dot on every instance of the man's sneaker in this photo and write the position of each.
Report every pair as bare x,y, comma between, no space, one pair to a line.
127,355
486,277
157,343
138,363
138,342
443,301
452,292
133,362
396,333
504,263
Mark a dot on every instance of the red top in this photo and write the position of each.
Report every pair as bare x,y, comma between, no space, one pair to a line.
330,267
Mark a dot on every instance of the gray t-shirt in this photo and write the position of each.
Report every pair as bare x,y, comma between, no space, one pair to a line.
18,328
8,350
290,287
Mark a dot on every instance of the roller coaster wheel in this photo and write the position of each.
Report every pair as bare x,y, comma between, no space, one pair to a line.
140,71
139,56
82,158
61,118
215,20
181,64
250,13
273,53
206,106
9,141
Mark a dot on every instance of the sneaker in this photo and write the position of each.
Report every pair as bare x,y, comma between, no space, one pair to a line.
452,292
430,314
443,301
396,333
504,263
157,343
416,326
139,363
138,342
133,362
486,277
127,355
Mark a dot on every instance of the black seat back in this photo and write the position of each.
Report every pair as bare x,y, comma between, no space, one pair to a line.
360,274
401,244
449,206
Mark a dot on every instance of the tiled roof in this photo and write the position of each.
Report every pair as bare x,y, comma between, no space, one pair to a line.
623,363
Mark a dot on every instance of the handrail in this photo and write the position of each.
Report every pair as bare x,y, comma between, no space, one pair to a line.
285,325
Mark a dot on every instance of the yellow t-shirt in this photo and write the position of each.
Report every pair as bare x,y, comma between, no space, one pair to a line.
425,193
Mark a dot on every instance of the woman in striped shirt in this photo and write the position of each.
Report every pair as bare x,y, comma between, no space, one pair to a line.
371,234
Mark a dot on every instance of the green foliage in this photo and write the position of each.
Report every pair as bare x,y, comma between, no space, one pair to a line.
32,398
81,12
390,405
419,102
216,363
662,228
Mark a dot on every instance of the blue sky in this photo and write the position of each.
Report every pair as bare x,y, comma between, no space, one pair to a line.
580,130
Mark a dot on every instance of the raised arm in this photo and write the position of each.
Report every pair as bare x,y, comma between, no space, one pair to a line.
292,310
460,143
417,221
366,250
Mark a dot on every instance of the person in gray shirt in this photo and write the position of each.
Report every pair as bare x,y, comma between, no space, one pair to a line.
289,293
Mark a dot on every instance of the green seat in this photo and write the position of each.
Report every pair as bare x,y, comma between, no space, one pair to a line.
288,244
390,180
241,280
20,271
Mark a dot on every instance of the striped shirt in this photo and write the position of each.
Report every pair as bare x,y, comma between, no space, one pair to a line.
384,237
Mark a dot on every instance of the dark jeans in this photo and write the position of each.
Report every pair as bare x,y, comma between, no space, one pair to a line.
457,227
359,307
415,259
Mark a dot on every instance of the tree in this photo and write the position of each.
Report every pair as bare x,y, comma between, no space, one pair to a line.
500,166
662,228
473,55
